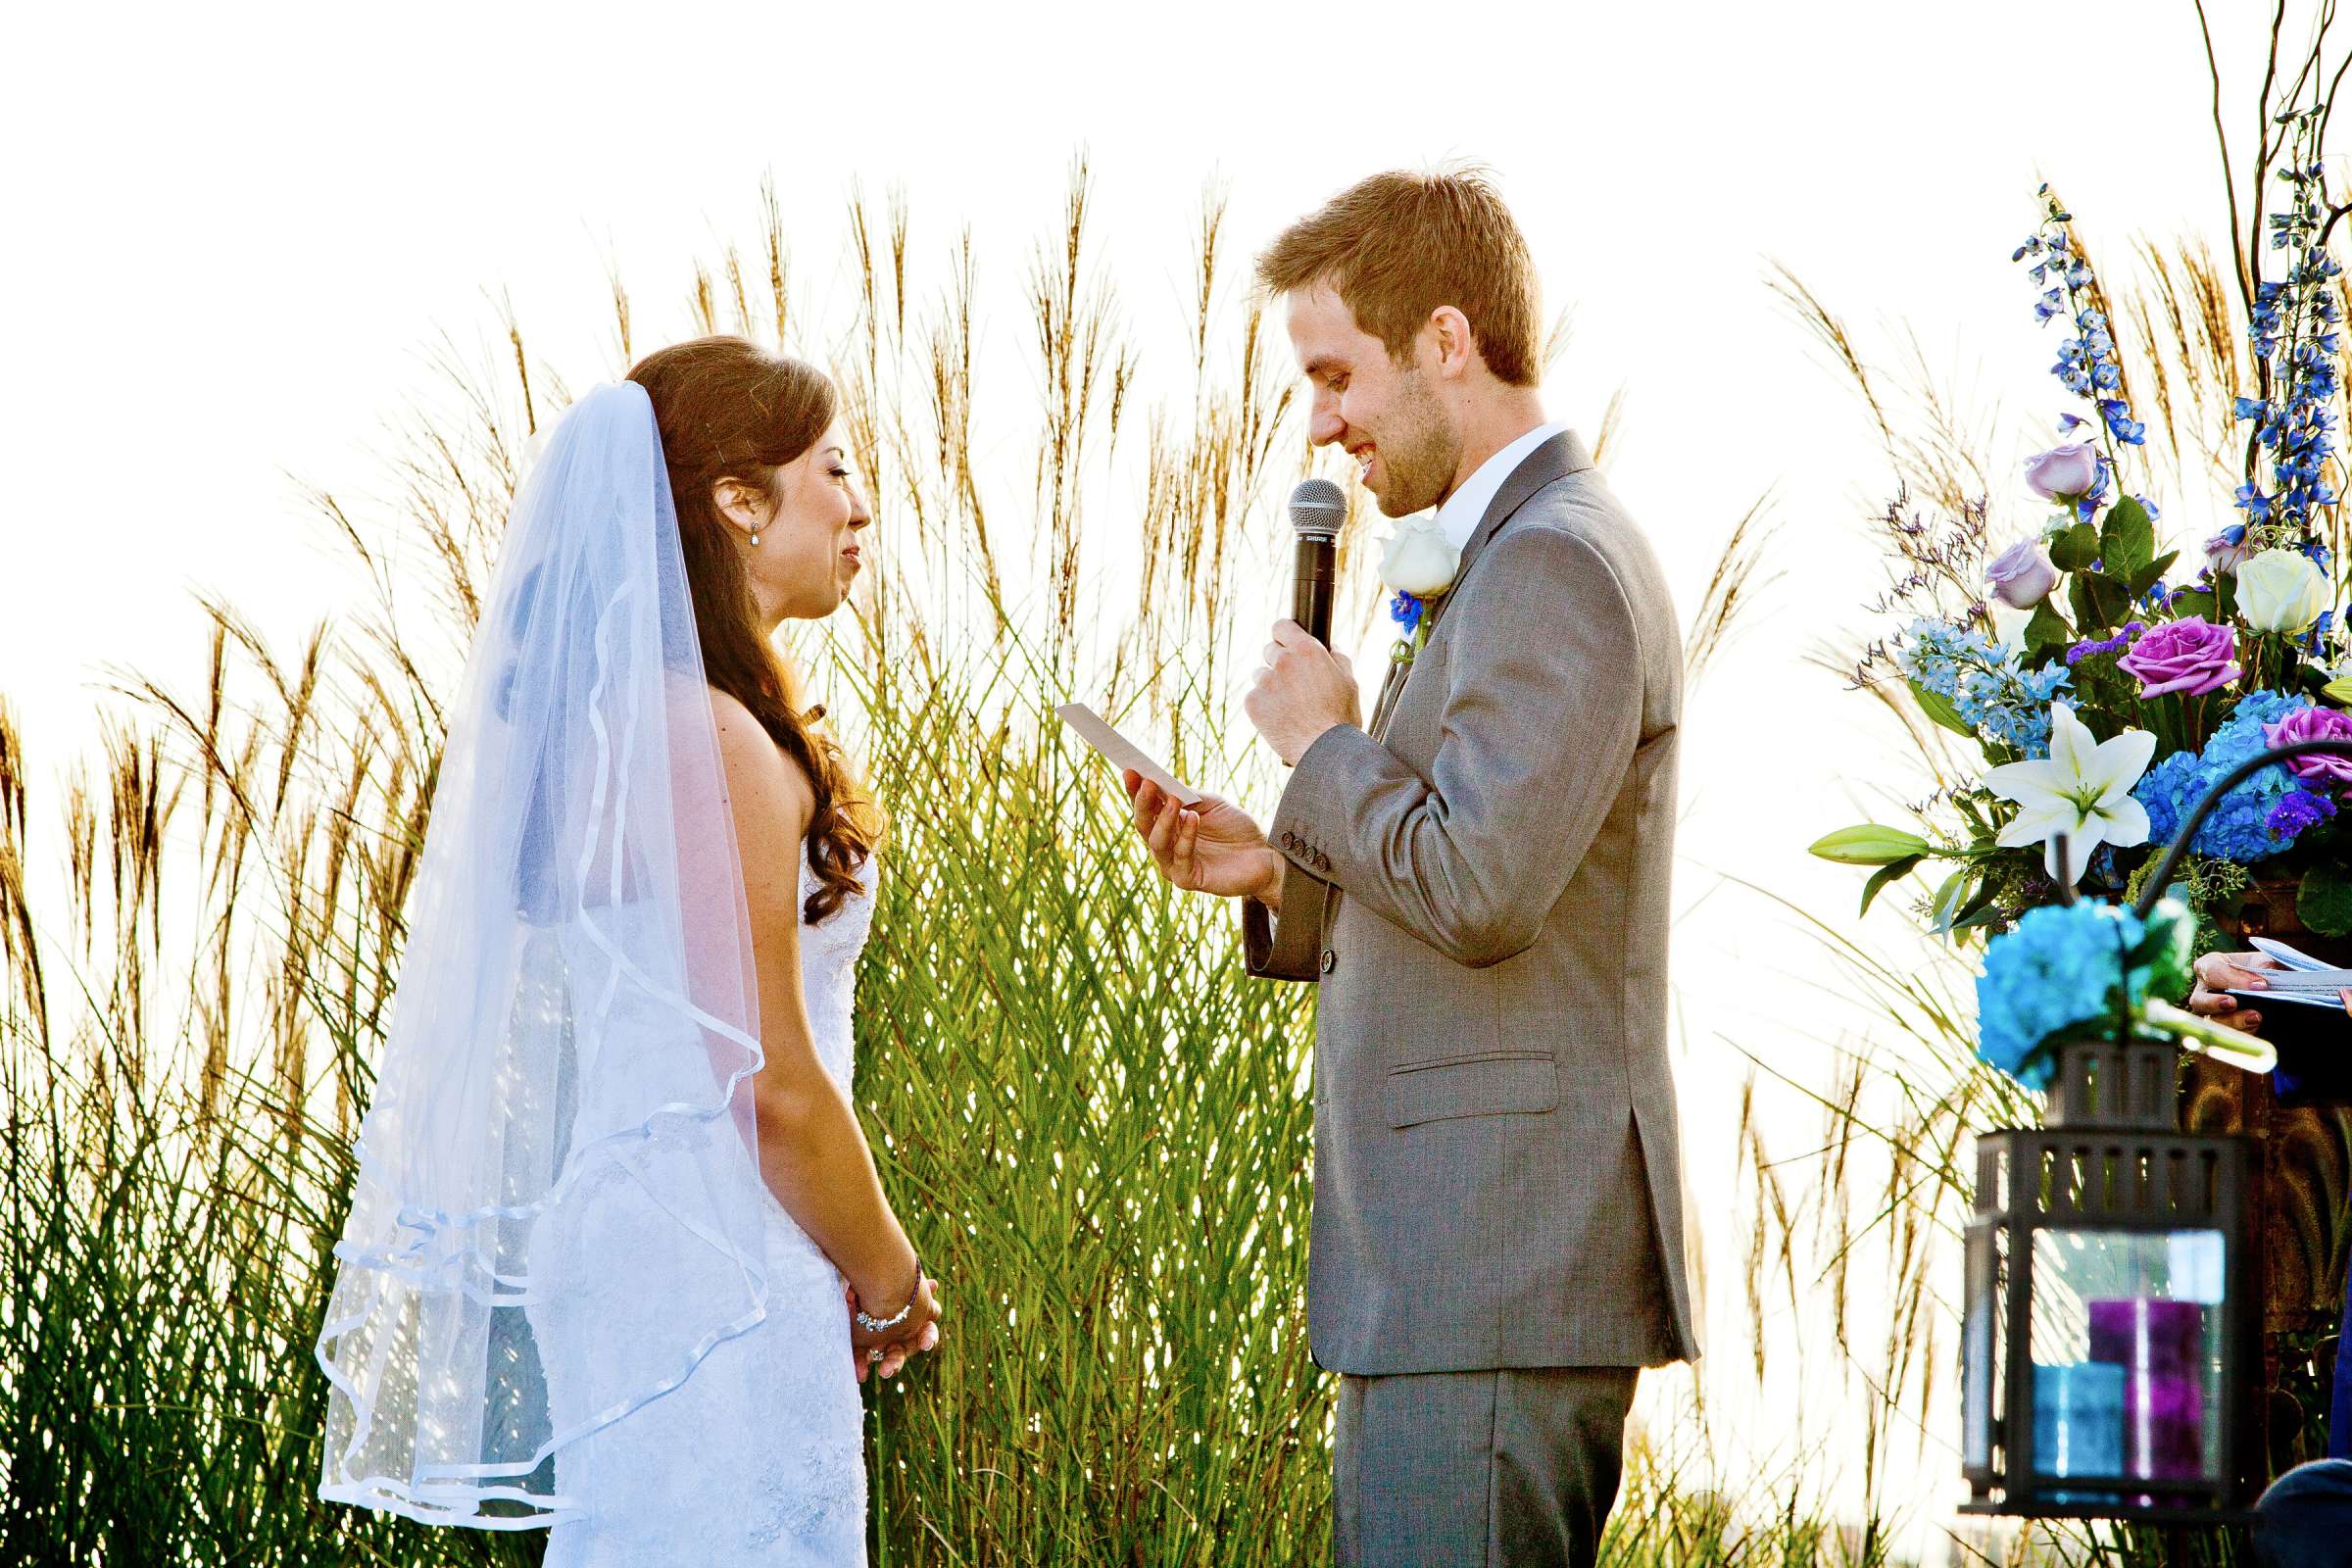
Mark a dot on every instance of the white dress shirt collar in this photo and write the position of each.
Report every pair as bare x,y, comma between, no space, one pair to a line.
1459,514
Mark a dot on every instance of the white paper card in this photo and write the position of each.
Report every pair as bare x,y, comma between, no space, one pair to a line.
2292,957
1122,752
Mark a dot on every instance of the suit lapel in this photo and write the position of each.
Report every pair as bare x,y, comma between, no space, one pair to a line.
1563,455
1390,685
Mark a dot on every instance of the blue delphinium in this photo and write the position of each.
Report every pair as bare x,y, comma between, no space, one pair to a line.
2064,964
2087,363
2004,703
2249,825
1406,610
2297,334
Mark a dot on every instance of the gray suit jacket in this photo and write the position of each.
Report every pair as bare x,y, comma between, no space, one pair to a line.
1480,886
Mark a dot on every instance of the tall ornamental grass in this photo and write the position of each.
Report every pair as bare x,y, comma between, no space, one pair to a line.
1094,1123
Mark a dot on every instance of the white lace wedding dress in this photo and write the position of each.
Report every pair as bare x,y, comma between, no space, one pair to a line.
756,1458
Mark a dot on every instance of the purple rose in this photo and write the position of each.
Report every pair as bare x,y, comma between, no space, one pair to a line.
2064,474
2315,724
2022,575
2189,657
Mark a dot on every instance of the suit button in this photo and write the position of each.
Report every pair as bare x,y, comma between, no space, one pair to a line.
1331,961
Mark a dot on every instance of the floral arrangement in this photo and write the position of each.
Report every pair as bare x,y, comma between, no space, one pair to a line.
2065,968
2106,683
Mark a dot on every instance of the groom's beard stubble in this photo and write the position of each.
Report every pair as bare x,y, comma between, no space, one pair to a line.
1420,457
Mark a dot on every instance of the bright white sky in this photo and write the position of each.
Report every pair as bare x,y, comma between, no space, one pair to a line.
240,230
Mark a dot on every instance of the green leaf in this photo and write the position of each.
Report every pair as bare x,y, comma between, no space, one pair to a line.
2150,575
2101,602
2197,604
2339,692
1939,709
2075,547
1945,907
1982,914
2046,629
1869,843
1884,876
1983,906
2323,901
2128,540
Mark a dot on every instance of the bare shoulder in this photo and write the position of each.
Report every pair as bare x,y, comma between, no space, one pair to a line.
774,799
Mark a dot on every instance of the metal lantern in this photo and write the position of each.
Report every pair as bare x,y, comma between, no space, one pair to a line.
2111,1331
2112,1311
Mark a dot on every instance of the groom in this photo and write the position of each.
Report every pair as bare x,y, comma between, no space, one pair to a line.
1477,880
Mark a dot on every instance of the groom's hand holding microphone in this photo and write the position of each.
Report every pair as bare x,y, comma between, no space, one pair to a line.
1304,688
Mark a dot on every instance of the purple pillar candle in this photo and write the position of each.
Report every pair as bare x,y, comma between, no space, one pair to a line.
2160,1347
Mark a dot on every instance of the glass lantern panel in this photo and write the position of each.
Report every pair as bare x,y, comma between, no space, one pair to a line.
2127,1349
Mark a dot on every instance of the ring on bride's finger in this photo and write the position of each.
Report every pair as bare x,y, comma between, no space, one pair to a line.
873,1355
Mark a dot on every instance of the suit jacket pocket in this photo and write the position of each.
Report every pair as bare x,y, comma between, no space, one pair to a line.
1486,1083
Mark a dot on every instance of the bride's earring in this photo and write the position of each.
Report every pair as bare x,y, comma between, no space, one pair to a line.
755,536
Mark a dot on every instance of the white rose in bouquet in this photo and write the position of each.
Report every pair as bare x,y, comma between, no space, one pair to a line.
2281,590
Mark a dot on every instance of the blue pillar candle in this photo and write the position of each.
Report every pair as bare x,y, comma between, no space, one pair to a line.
2078,1419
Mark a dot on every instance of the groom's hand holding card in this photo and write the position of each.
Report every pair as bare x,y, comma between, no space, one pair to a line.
1122,752
1199,843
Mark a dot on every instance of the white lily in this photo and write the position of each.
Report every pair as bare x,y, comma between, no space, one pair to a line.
2081,791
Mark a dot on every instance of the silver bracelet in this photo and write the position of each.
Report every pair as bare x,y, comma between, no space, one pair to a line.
875,1325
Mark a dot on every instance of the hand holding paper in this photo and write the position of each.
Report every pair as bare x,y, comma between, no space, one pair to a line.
1122,752
1199,842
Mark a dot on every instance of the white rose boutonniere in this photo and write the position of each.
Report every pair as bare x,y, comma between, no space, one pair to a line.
1419,562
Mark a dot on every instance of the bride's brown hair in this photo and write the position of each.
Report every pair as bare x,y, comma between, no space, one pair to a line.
727,409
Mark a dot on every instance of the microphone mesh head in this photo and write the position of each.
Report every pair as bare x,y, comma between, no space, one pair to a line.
1318,506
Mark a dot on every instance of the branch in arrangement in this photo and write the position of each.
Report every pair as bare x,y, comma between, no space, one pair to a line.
2245,283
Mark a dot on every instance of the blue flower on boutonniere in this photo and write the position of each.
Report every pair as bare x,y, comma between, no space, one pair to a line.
1419,562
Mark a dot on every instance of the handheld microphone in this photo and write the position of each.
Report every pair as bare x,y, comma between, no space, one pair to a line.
1317,510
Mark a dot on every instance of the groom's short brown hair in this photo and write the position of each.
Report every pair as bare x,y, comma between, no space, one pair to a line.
1397,246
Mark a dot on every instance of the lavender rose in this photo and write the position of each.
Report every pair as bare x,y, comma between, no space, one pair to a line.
2316,724
2064,472
2227,550
2022,575
2189,656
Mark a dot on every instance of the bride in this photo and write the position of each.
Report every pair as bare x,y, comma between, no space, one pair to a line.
618,1256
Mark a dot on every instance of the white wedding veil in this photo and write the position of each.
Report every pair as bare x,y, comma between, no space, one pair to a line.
562,1122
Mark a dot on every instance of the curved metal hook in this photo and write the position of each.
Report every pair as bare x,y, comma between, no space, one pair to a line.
2204,808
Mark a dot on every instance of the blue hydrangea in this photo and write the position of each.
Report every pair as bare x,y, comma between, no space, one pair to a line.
2005,703
2062,965
2249,825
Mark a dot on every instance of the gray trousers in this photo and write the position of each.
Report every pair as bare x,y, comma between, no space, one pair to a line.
1510,1468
